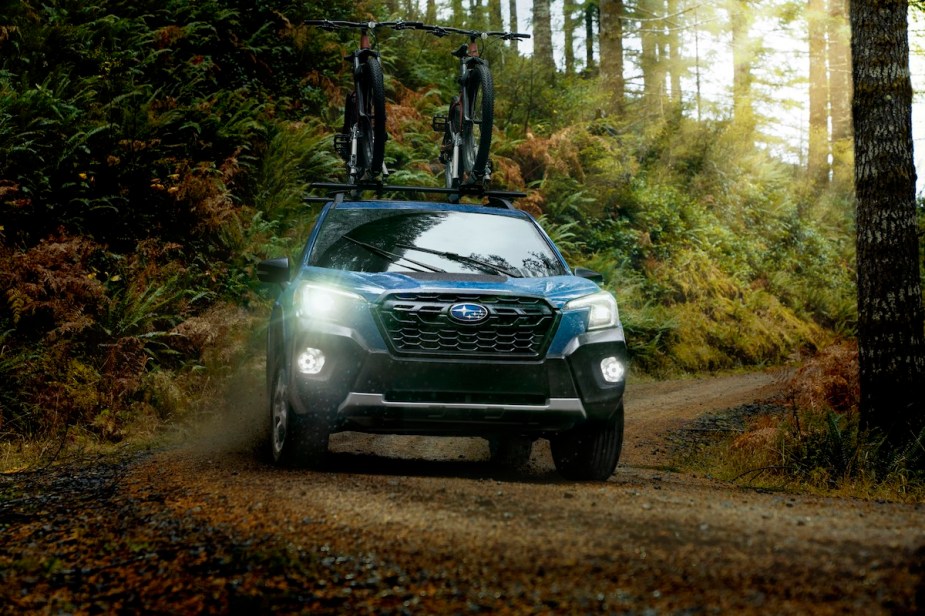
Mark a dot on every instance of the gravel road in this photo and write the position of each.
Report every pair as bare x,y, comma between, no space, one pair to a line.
424,525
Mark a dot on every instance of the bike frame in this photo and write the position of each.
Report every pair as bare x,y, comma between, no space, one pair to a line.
357,59
466,60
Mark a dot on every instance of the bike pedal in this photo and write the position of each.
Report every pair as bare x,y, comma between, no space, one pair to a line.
439,123
342,145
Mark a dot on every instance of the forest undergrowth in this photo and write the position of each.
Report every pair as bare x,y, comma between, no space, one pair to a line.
152,153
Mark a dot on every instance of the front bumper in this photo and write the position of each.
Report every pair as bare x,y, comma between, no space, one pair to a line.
369,389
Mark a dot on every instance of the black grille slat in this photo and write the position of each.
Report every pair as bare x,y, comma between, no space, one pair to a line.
420,324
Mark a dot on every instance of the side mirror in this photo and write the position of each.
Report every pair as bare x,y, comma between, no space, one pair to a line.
274,271
584,272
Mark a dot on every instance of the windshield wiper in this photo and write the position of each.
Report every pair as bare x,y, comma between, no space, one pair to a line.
452,256
392,256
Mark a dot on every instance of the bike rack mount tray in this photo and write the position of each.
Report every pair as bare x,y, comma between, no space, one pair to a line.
497,198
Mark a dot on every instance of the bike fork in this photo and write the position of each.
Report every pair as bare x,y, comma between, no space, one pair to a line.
354,140
456,140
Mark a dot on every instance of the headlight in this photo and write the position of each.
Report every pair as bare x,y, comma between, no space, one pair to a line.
317,301
602,309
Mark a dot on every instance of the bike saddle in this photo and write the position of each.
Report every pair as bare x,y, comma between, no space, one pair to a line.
462,52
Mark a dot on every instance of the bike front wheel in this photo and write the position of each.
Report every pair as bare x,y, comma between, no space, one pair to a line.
477,123
372,135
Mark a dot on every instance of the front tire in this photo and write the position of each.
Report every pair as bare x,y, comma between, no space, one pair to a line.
476,130
294,440
589,452
372,121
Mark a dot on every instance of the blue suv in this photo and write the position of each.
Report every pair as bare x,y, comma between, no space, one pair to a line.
418,317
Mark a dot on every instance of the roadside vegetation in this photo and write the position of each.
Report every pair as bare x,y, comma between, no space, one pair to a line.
151,153
811,440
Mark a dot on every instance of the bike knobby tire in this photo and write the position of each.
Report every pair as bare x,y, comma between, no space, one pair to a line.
372,121
476,134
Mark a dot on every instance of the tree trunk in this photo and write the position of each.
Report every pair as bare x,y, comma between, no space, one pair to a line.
542,46
817,164
590,10
495,19
675,66
431,15
840,93
514,27
743,113
568,27
890,314
611,37
478,16
653,75
458,13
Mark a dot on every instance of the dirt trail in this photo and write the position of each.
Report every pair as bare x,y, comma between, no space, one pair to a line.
426,526
654,409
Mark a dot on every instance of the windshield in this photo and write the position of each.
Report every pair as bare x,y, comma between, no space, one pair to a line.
374,240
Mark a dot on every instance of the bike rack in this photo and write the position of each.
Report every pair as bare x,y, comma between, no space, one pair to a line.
496,198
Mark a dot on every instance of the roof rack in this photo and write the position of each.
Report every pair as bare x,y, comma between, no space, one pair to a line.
340,192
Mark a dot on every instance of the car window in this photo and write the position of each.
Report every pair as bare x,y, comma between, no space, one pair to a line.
373,240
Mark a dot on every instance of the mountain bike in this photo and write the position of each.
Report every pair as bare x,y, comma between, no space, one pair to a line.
361,142
467,126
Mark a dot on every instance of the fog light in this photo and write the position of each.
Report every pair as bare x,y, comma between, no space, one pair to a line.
612,370
311,361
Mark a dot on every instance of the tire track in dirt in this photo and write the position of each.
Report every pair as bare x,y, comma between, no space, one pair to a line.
468,538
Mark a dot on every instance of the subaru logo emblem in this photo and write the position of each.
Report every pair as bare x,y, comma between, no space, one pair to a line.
468,313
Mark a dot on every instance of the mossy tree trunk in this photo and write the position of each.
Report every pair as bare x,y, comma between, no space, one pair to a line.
817,163
675,63
890,314
542,34
458,13
839,37
514,27
740,19
591,11
611,37
650,38
495,19
568,27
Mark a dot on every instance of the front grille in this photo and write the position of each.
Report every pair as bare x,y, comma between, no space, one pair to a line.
420,324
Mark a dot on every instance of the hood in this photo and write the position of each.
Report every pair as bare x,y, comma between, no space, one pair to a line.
557,290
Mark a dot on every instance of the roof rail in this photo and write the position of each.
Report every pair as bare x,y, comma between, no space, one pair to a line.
340,192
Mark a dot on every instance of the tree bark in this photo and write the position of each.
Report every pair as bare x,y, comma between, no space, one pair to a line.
611,38
542,47
817,163
591,10
431,15
495,19
839,35
675,65
568,27
458,13
478,15
512,8
653,76
743,113
890,313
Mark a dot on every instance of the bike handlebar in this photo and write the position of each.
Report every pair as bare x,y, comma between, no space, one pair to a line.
438,31
328,24
441,31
